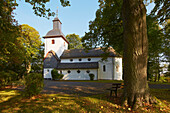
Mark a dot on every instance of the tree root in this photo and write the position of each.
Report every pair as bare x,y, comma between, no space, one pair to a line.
136,101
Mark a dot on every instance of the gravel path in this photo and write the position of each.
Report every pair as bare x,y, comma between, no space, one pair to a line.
79,88
84,88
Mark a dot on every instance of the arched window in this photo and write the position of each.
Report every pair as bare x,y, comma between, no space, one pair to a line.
89,59
117,68
104,68
80,59
53,41
71,60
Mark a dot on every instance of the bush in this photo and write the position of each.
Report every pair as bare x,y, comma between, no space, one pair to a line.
6,78
91,76
56,75
33,84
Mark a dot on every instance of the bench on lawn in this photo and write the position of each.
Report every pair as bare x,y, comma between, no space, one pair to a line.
115,87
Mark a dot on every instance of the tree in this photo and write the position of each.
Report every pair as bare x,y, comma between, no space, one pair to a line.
156,42
74,41
161,10
107,29
37,62
31,42
135,52
135,43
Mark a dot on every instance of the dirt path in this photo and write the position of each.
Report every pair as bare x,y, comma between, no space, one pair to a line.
83,88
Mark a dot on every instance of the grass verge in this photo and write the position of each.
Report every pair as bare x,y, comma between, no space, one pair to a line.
12,101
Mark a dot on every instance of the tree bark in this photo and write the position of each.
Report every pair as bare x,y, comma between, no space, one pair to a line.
135,53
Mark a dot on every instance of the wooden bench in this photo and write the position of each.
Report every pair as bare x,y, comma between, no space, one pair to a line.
115,87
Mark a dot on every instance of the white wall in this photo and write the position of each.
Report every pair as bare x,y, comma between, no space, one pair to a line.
47,72
59,46
111,73
110,65
108,73
83,75
118,71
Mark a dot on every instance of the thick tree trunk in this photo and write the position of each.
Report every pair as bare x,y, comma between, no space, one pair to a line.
135,52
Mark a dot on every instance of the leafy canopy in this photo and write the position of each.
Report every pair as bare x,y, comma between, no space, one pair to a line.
74,41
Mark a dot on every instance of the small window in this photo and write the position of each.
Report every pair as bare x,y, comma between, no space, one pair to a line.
71,60
88,71
69,71
60,71
47,70
78,71
53,41
104,68
117,68
89,59
80,59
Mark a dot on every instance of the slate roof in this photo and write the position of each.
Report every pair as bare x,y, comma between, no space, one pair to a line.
79,53
87,65
54,32
51,60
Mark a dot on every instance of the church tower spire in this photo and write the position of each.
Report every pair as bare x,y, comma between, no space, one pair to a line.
55,40
56,22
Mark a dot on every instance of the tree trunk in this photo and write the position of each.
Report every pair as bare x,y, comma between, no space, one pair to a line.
135,52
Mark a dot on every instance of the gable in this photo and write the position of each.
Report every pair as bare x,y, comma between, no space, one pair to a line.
51,60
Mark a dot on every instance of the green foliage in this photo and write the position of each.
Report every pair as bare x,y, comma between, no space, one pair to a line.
107,28
74,41
56,75
7,78
91,76
33,84
161,10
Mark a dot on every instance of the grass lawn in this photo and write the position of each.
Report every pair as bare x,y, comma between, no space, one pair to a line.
11,101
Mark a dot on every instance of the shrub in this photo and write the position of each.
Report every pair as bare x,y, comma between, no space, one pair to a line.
33,84
91,76
6,78
56,75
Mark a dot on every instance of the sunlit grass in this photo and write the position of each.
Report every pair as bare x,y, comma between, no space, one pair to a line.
58,103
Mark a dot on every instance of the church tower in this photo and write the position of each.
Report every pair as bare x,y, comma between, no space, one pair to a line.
55,40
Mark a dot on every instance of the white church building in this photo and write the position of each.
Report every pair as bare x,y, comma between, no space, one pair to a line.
77,64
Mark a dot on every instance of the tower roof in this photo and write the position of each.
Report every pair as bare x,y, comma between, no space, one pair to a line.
56,31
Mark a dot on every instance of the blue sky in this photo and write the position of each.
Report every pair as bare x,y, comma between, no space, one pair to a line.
75,18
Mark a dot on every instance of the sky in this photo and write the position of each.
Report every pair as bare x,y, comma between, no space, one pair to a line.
75,18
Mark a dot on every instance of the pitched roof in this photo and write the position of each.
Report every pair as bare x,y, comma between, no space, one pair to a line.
51,60
53,53
97,52
88,65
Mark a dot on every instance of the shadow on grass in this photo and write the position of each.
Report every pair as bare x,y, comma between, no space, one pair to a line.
54,103
49,103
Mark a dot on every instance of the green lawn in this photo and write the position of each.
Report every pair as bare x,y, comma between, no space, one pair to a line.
11,101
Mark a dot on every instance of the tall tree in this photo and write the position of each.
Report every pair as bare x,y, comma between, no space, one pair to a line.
74,41
156,42
30,39
135,52
107,29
